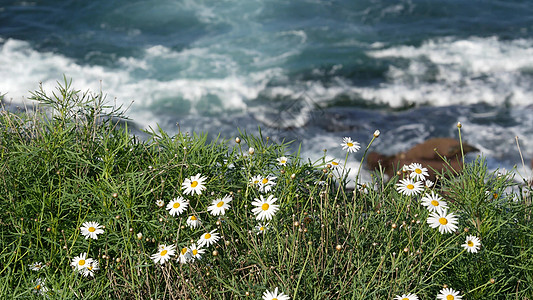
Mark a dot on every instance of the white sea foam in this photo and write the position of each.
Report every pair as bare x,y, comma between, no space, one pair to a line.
22,68
457,71
439,72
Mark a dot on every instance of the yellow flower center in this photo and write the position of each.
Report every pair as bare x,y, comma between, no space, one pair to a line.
265,206
283,161
193,218
349,144
495,195
405,299
262,228
470,244
38,287
194,252
256,181
418,171
183,251
334,163
450,297
163,253
90,268
410,186
265,180
434,202
81,262
443,221
220,204
207,236
91,229
194,184
176,205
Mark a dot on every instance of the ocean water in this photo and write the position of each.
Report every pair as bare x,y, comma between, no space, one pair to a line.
310,70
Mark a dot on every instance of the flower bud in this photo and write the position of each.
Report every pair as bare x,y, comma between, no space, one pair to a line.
376,133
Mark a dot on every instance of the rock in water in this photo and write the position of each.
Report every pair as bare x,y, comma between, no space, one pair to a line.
426,153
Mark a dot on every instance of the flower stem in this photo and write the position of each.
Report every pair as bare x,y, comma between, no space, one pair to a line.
362,159
446,264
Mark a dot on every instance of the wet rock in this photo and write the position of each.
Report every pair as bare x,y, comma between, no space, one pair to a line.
429,153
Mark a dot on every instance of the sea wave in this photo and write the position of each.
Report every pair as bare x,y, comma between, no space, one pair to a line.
449,71
205,80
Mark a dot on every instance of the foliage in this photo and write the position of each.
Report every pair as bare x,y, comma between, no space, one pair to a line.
73,160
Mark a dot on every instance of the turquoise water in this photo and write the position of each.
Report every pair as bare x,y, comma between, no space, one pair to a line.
311,70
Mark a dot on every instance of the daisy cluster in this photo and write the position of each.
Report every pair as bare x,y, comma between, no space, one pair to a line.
438,208
39,286
439,217
81,263
264,208
194,185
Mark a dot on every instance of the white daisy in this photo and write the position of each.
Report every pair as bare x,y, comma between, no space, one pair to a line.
91,230
185,255
349,145
282,160
196,252
208,238
406,297
266,184
408,187
449,294
219,206
491,195
447,223
472,244
418,172
39,287
335,165
37,266
193,221
160,203
429,183
266,208
81,261
268,295
193,185
256,180
261,228
163,254
434,202
91,268
177,206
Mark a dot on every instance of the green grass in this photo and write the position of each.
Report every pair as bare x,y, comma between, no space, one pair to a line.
73,160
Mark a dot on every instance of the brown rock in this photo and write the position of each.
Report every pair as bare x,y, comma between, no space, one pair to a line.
426,153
